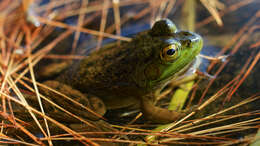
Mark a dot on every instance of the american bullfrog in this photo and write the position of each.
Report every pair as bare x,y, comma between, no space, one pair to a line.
127,75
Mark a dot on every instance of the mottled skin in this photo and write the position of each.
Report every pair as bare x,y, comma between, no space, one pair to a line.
127,76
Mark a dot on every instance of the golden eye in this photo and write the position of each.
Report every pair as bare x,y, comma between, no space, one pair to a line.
169,53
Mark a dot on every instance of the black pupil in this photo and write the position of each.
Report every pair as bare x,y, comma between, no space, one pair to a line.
170,52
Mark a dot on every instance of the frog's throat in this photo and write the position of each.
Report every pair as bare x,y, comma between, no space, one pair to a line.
188,69
193,66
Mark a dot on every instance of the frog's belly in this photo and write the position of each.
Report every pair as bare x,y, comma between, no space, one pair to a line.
117,95
121,102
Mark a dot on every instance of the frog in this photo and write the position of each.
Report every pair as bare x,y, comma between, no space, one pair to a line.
127,75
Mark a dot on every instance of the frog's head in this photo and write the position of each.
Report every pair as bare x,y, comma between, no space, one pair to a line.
172,52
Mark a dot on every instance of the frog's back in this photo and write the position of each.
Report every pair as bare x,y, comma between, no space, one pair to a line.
108,73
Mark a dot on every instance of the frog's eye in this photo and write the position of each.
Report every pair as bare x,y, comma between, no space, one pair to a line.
169,53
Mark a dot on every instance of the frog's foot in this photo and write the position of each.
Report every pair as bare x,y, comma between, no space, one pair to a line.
161,115
86,106
97,105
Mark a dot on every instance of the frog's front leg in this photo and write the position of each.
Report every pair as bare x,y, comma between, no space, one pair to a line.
157,114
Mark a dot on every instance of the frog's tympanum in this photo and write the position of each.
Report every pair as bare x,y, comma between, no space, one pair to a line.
127,75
